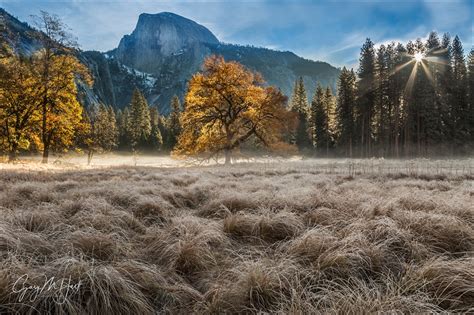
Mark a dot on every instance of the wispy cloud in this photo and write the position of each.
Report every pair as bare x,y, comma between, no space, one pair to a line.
331,30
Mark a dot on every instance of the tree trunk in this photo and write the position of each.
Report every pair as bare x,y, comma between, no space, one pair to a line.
45,154
362,143
227,157
44,134
397,153
12,154
89,157
350,146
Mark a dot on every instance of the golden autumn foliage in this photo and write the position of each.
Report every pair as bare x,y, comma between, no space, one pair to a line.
18,106
60,110
38,101
57,69
227,105
38,93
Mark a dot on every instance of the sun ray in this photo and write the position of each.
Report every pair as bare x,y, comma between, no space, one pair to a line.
400,67
406,54
427,72
438,51
437,60
411,80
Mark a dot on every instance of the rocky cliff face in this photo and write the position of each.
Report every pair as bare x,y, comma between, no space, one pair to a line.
16,34
159,36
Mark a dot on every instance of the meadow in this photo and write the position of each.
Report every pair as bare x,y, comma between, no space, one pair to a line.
267,236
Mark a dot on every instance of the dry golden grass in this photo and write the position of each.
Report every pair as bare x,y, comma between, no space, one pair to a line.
245,239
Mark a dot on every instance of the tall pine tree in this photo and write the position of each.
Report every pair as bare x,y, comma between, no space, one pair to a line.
445,87
459,113
319,119
156,140
102,131
419,105
174,125
366,89
433,102
398,79
470,64
382,109
299,105
346,99
138,125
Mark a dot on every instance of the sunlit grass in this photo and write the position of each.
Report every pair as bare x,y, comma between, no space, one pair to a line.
305,237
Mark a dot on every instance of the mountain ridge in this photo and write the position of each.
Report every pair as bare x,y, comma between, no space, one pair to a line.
165,50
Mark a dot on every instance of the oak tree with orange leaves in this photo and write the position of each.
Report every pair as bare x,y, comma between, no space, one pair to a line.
227,105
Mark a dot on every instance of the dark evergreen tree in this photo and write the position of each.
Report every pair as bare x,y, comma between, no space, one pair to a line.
398,79
164,131
122,124
444,87
138,125
174,125
470,68
366,97
432,101
391,128
156,140
346,99
113,127
459,111
319,119
418,105
101,130
299,105
382,108
409,109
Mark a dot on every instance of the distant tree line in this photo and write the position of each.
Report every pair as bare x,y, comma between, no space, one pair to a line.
137,128
412,100
403,101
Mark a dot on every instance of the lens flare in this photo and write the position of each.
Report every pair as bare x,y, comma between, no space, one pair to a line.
418,57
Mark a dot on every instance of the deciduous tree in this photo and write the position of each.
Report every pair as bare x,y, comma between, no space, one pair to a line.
226,105
57,70
18,105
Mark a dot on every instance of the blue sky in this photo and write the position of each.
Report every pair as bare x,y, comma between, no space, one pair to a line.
331,30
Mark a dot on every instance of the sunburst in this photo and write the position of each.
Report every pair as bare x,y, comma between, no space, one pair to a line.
423,60
418,56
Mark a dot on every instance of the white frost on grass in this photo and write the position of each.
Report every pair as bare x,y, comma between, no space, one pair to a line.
328,166
257,238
